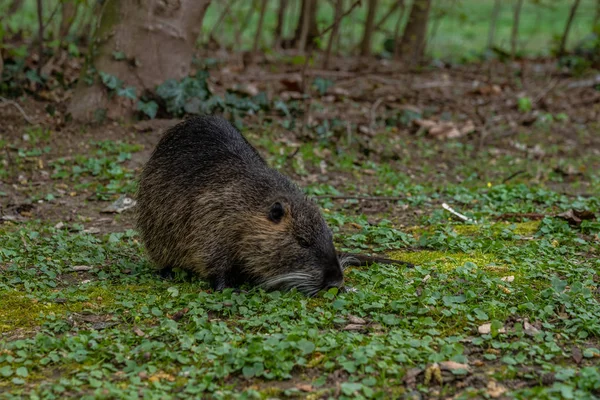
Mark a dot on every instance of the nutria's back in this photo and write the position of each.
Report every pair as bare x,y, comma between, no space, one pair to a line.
208,202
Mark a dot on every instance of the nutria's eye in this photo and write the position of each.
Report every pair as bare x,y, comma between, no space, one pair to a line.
277,212
303,242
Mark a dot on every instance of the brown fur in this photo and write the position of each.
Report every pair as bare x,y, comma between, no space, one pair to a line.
209,203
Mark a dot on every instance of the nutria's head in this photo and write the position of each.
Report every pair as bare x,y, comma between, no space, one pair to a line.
289,245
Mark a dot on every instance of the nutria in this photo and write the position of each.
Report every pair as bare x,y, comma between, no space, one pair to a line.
209,203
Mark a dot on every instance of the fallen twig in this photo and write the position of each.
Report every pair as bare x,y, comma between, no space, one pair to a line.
585,83
6,102
459,215
508,178
373,113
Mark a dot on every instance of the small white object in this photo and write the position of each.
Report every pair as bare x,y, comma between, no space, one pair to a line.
459,215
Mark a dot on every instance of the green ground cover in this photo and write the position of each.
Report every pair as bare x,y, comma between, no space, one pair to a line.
116,330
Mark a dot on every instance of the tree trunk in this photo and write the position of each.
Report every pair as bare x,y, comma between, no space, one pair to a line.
261,18
40,10
515,29
412,45
334,32
563,40
365,48
494,20
156,36
245,23
306,30
280,22
397,30
68,13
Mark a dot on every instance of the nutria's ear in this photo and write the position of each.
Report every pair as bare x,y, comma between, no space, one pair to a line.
277,212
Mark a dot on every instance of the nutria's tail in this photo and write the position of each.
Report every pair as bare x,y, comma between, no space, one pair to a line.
360,260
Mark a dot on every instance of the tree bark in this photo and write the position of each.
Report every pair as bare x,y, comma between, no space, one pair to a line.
412,45
280,22
365,48
493,21
334,32
156,36
306,30
245,23
68,13
397,30
261,18
515,29
40,11
563,40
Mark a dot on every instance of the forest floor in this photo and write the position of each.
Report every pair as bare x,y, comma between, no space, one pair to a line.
505,304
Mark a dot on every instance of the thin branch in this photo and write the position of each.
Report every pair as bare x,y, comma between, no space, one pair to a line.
221,18
40,36
261,18
5,102
563,40
515,29
397,29
280,22
396,5
330,27
334,33
492,31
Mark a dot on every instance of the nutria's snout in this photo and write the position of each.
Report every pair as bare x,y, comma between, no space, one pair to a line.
333,275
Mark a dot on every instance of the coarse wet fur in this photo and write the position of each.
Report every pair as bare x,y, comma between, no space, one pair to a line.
207,202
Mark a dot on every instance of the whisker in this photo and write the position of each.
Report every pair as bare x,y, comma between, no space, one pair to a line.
347,260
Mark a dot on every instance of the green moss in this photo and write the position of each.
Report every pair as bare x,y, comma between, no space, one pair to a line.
521,228
19,311
527,228
447,261
467,230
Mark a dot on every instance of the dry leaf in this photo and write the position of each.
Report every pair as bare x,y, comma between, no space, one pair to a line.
576,354
530,329
487,328
495,390
79,268
138,331
160,376
453,366
354,327
305,387
356,320
575,217
446,129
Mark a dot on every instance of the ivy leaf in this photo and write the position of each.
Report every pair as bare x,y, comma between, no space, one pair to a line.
6,371
306,346
22,372
149,108
248,371
110,81
349,388
322,85
119,55
281,106
128,92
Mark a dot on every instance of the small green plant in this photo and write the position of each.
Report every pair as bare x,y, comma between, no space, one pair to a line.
524,104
